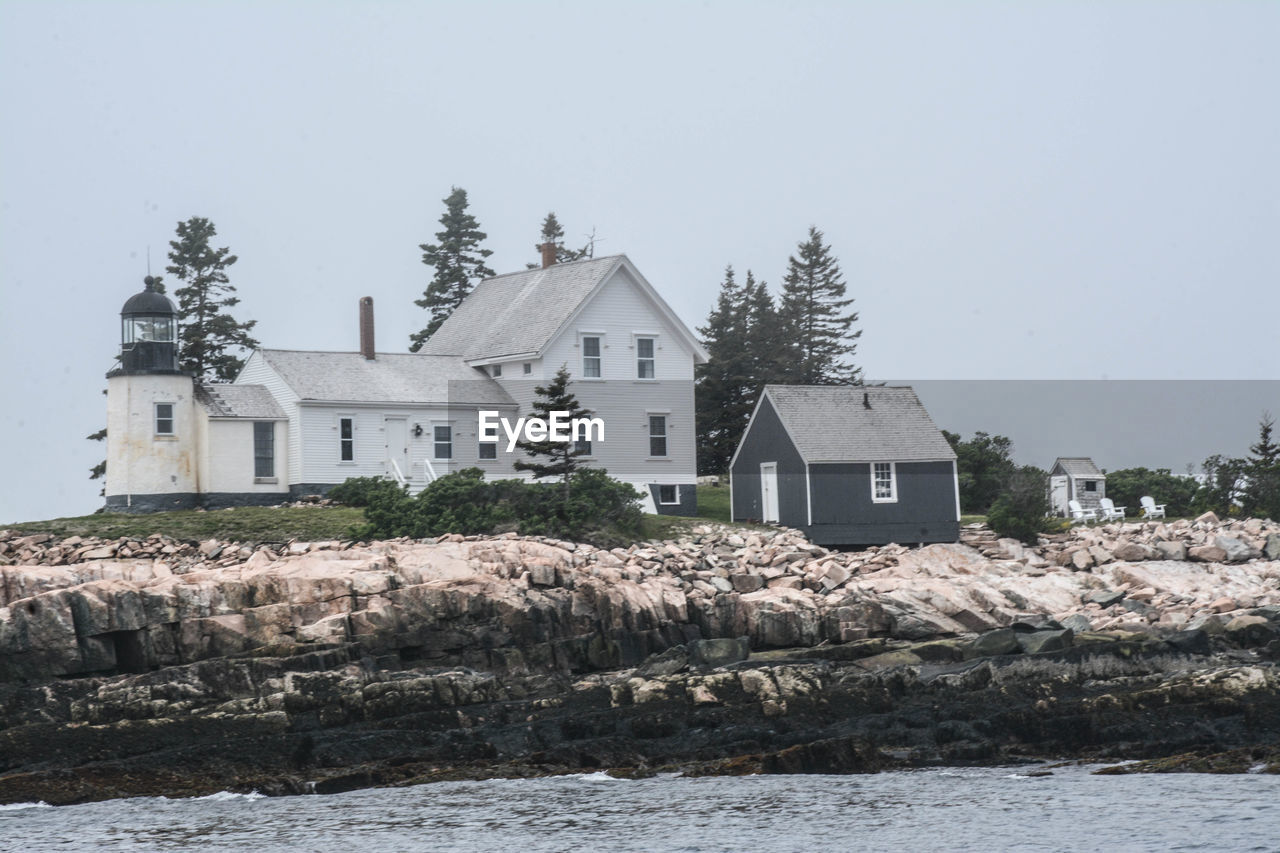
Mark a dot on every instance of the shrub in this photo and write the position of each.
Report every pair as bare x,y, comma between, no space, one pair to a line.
1020,510
358,491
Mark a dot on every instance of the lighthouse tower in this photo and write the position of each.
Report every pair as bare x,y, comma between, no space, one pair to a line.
151,421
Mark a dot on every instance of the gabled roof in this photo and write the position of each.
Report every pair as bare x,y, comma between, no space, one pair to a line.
834,424
238,401
1079,466
348,377
520,313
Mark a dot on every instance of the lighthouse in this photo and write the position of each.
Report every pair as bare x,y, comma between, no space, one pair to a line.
151,419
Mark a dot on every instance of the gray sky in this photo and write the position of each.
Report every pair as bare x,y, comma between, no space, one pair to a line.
1015,191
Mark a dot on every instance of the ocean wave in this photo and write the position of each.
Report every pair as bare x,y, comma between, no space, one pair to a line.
13,807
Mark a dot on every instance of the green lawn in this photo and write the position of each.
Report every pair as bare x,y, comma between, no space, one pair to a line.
241,524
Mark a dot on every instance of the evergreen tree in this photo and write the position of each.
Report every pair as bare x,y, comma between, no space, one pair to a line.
561,457
553,232
766,341
722,396
819,334
458,261
208,331
1262,495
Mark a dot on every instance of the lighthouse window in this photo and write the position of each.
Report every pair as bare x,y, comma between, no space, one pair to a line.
159,329
164,418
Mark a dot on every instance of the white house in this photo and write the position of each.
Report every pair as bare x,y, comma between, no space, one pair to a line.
298,423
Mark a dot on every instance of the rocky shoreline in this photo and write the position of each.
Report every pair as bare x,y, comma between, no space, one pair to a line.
145,667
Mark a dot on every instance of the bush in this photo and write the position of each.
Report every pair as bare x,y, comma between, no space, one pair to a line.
1020,510
359,491
598,509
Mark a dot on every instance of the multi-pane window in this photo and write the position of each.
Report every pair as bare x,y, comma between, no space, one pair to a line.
488,450
164,418
582,447
346,439
528,368
657,435
591,357
883,485
644,358
497,370
264,449
668,495
443,442
1091,485
158,329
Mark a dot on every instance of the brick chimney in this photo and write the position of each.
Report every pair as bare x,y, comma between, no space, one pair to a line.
366,327
548,253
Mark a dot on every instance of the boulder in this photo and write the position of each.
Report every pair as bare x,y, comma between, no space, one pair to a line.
1272,549
1046,641
718,652
1081,560
1134,552
1002,641
1236,550
747,583
1102,555
1176,550
1251,630
1207,554
1104,598
1077,622
1207,518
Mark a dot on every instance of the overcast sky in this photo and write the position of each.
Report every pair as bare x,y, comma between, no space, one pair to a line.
1014,190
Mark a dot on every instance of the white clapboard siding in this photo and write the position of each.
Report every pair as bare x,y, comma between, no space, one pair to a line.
256,371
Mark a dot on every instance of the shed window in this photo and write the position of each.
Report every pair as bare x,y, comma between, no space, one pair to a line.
1091,485
444,442
644,358
346,439
884,482
264,449
657,435
668,495
164,418
591,357
488,450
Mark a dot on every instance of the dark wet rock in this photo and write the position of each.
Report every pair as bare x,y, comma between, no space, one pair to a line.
1103,597
1045,641
719,652
1002,641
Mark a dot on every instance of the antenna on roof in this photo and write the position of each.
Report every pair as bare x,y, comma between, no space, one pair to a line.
591,242
866,399
148,260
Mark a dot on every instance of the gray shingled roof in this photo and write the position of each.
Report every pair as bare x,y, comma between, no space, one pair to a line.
831,424
390,378
238,401
518,312
1079,466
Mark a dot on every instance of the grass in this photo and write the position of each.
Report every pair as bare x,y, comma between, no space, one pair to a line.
241,524
973,519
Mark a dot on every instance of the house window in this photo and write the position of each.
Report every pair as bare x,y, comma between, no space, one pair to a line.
346,439
443,442
644,358
591,357
884,482
582,447
164,418
264,449
496,371
668,495
528,368
488,450
657,435
1091,485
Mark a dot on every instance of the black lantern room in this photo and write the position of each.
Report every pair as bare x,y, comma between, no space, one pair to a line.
149,333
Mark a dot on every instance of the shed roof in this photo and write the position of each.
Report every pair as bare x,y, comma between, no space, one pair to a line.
348,377
1079,467
520,312
238,401
834,424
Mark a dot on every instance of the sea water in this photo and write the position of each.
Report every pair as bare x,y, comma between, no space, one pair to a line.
938,809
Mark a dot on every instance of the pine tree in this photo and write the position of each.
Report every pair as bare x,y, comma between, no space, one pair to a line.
1262,495
562,457
819,334
766,338
722,394
553,232
208,331
458,261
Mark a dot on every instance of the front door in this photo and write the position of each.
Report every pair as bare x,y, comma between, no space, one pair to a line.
769,491
397,432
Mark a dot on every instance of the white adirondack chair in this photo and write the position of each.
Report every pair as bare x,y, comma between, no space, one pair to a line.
1080,515
1111,512
1151,509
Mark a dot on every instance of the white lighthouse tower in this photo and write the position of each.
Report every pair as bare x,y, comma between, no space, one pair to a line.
151,417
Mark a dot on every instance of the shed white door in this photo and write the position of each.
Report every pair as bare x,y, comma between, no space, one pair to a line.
397,432
1058,495
769,491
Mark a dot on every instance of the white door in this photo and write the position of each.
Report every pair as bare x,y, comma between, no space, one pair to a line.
769,491
1058,494
396,431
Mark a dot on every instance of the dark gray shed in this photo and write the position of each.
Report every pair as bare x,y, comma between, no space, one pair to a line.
847,465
